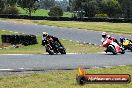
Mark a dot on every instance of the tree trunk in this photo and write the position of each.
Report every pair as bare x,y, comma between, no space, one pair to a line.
30,12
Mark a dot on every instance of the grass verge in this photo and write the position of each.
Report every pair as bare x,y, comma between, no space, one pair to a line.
71,47
96,26
123,28
62,79
42,12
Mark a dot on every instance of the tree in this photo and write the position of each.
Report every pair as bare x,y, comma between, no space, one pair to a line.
90,7
11,2
56,11
126,7
47,4
63,4
76,4
1,5
8,7
110,7
29,5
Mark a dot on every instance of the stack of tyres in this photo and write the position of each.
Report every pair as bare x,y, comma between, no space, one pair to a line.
19,39
5,38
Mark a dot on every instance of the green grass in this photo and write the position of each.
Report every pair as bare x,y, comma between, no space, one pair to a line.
61,79
71,47
42,12
96,26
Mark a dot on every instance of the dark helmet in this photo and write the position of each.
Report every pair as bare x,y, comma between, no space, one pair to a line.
122,39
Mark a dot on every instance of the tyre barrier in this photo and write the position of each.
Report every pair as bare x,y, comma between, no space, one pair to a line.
54,18
19,39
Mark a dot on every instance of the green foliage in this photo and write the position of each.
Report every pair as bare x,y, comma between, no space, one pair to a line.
46,4
10,10
8,7
90,7
1,6
111,7
11,2
56,11
29,5
126,7
101,15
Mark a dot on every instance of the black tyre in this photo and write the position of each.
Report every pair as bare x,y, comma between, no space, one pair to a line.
112,49
123,51
81,80
49,50
63,52
130,47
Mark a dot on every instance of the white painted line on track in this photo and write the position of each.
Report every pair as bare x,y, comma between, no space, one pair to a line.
73,53
121,65
6,69
95,67
32,54
15,54
101,52
10,31
15,32
3,30
107,66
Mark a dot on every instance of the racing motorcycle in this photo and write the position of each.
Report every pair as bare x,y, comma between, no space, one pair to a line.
112,47
53,47
126,44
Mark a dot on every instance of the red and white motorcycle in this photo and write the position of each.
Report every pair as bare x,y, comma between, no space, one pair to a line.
112,47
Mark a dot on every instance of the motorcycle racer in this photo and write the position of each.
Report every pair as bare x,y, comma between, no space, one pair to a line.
47,37
105,36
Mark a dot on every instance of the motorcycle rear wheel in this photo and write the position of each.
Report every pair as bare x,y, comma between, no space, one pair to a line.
112,49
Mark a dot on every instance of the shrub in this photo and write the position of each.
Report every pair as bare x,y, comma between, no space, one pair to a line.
101,15
10,10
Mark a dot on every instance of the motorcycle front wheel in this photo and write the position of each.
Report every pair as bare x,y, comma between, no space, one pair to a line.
49,50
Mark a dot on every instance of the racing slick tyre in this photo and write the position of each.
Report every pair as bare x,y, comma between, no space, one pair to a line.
49,50
112,49
130,47
123,52
63,52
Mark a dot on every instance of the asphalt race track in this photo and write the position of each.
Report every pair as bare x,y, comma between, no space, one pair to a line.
65,33
60,62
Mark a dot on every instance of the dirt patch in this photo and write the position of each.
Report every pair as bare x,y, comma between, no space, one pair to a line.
17,21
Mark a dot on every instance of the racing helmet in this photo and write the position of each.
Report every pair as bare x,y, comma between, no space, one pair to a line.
104,34
45,34
122,39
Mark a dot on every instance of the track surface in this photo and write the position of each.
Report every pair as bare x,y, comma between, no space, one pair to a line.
71,61
66,33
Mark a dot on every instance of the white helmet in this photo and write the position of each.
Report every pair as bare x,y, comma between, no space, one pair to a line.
104,34
45,34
